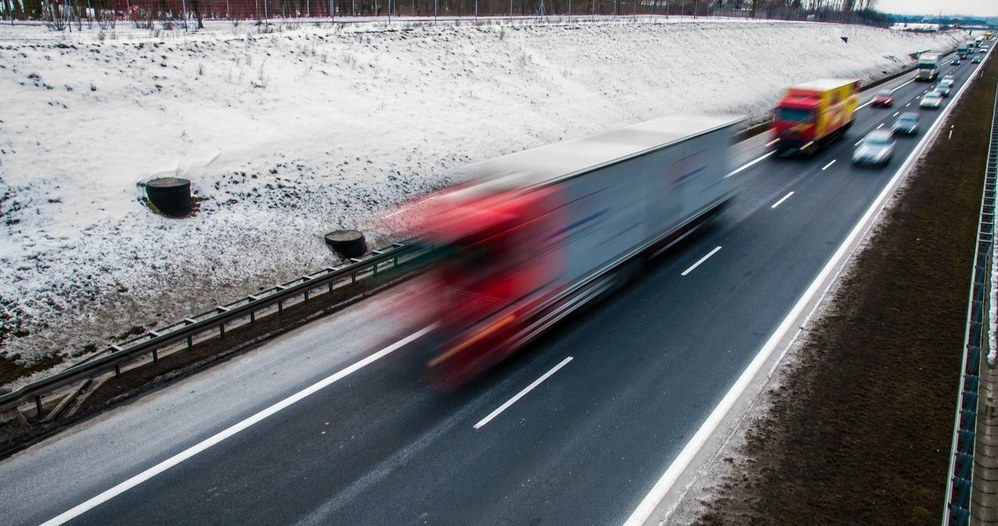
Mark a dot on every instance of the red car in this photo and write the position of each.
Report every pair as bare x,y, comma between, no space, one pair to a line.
884,98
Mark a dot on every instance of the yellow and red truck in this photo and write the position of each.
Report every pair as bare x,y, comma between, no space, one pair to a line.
813,114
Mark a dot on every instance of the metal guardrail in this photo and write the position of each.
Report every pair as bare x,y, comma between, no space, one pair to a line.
965,494
214,321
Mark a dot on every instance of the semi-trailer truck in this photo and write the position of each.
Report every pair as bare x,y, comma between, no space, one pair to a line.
962,51
928,67
537,234
813,114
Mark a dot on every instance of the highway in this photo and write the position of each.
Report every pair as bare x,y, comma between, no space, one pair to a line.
333,423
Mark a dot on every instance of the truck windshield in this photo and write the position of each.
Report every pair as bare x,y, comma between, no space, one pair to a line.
793,115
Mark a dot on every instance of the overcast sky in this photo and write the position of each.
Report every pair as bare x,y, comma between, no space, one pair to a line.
934,7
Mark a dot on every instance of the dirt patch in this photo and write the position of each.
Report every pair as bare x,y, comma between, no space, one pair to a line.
858,429
12,368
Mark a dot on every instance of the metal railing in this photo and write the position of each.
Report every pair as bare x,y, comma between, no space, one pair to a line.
964,498
213,323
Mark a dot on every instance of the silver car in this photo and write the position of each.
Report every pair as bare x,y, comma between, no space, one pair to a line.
876,148
932,100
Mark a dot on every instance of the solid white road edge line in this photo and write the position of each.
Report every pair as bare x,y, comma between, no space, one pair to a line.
647,506
827,166
902,85
780,202
748,164
698,263
520,395
211,441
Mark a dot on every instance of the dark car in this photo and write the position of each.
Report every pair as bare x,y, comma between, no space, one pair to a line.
883,98
944,88
955,61
906,124
975,60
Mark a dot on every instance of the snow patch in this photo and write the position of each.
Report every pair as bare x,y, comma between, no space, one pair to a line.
287,135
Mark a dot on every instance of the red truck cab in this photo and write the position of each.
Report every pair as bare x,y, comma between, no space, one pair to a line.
501,260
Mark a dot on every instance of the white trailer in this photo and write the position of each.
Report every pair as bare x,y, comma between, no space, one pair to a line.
536,234
928,67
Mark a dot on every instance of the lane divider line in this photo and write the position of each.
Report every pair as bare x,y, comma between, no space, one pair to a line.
780,202
80,509
481,423
827,166
698,263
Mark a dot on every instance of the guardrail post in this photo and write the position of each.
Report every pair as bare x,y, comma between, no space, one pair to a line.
252,317
280,307
117,371
221,330
306,295
190,343
38,405
155,356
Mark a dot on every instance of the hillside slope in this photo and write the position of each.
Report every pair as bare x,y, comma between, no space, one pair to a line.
288,133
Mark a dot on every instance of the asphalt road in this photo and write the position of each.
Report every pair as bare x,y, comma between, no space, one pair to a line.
631,379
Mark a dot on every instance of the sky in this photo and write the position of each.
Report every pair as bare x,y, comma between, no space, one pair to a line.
934,7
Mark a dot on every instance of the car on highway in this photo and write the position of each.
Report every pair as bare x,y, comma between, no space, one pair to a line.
948,79
883,98
932,100
955,61
906,124
944,89
876,148
975,60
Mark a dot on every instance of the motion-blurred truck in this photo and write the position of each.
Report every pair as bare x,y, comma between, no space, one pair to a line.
813,114
962,51
928,67
537,234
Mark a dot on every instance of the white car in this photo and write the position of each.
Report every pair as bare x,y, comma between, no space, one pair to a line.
876,148
932,100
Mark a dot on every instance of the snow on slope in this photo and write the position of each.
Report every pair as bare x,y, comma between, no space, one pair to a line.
289,134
